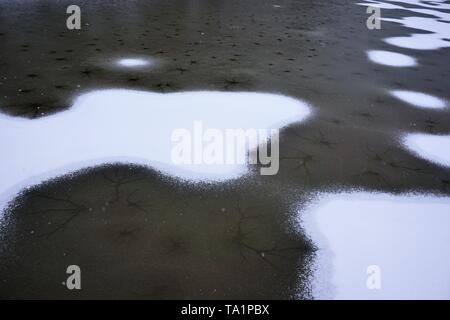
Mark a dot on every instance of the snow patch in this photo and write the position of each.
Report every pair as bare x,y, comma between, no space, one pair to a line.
127,126
419,99
133,62
392,59
406,236
434,148
436,25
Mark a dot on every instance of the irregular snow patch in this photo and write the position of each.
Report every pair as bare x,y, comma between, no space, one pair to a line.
437,4
128,126
419,42
435,24
434,148
419,99
392,59
405,237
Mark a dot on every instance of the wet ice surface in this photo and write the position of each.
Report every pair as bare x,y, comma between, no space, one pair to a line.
161,238
135,127
406,236
434,148
392,59
419,99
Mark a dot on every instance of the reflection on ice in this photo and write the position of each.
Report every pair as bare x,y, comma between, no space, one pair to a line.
406,237
434,148
419,99
392,59
130,126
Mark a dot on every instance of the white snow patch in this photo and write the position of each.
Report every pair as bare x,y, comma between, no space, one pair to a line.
436,4
130,126
133,62
436,25
419,99
392,59
434,148
406,236
428,41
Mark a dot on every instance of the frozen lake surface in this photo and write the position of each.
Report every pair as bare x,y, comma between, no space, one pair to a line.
87,174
